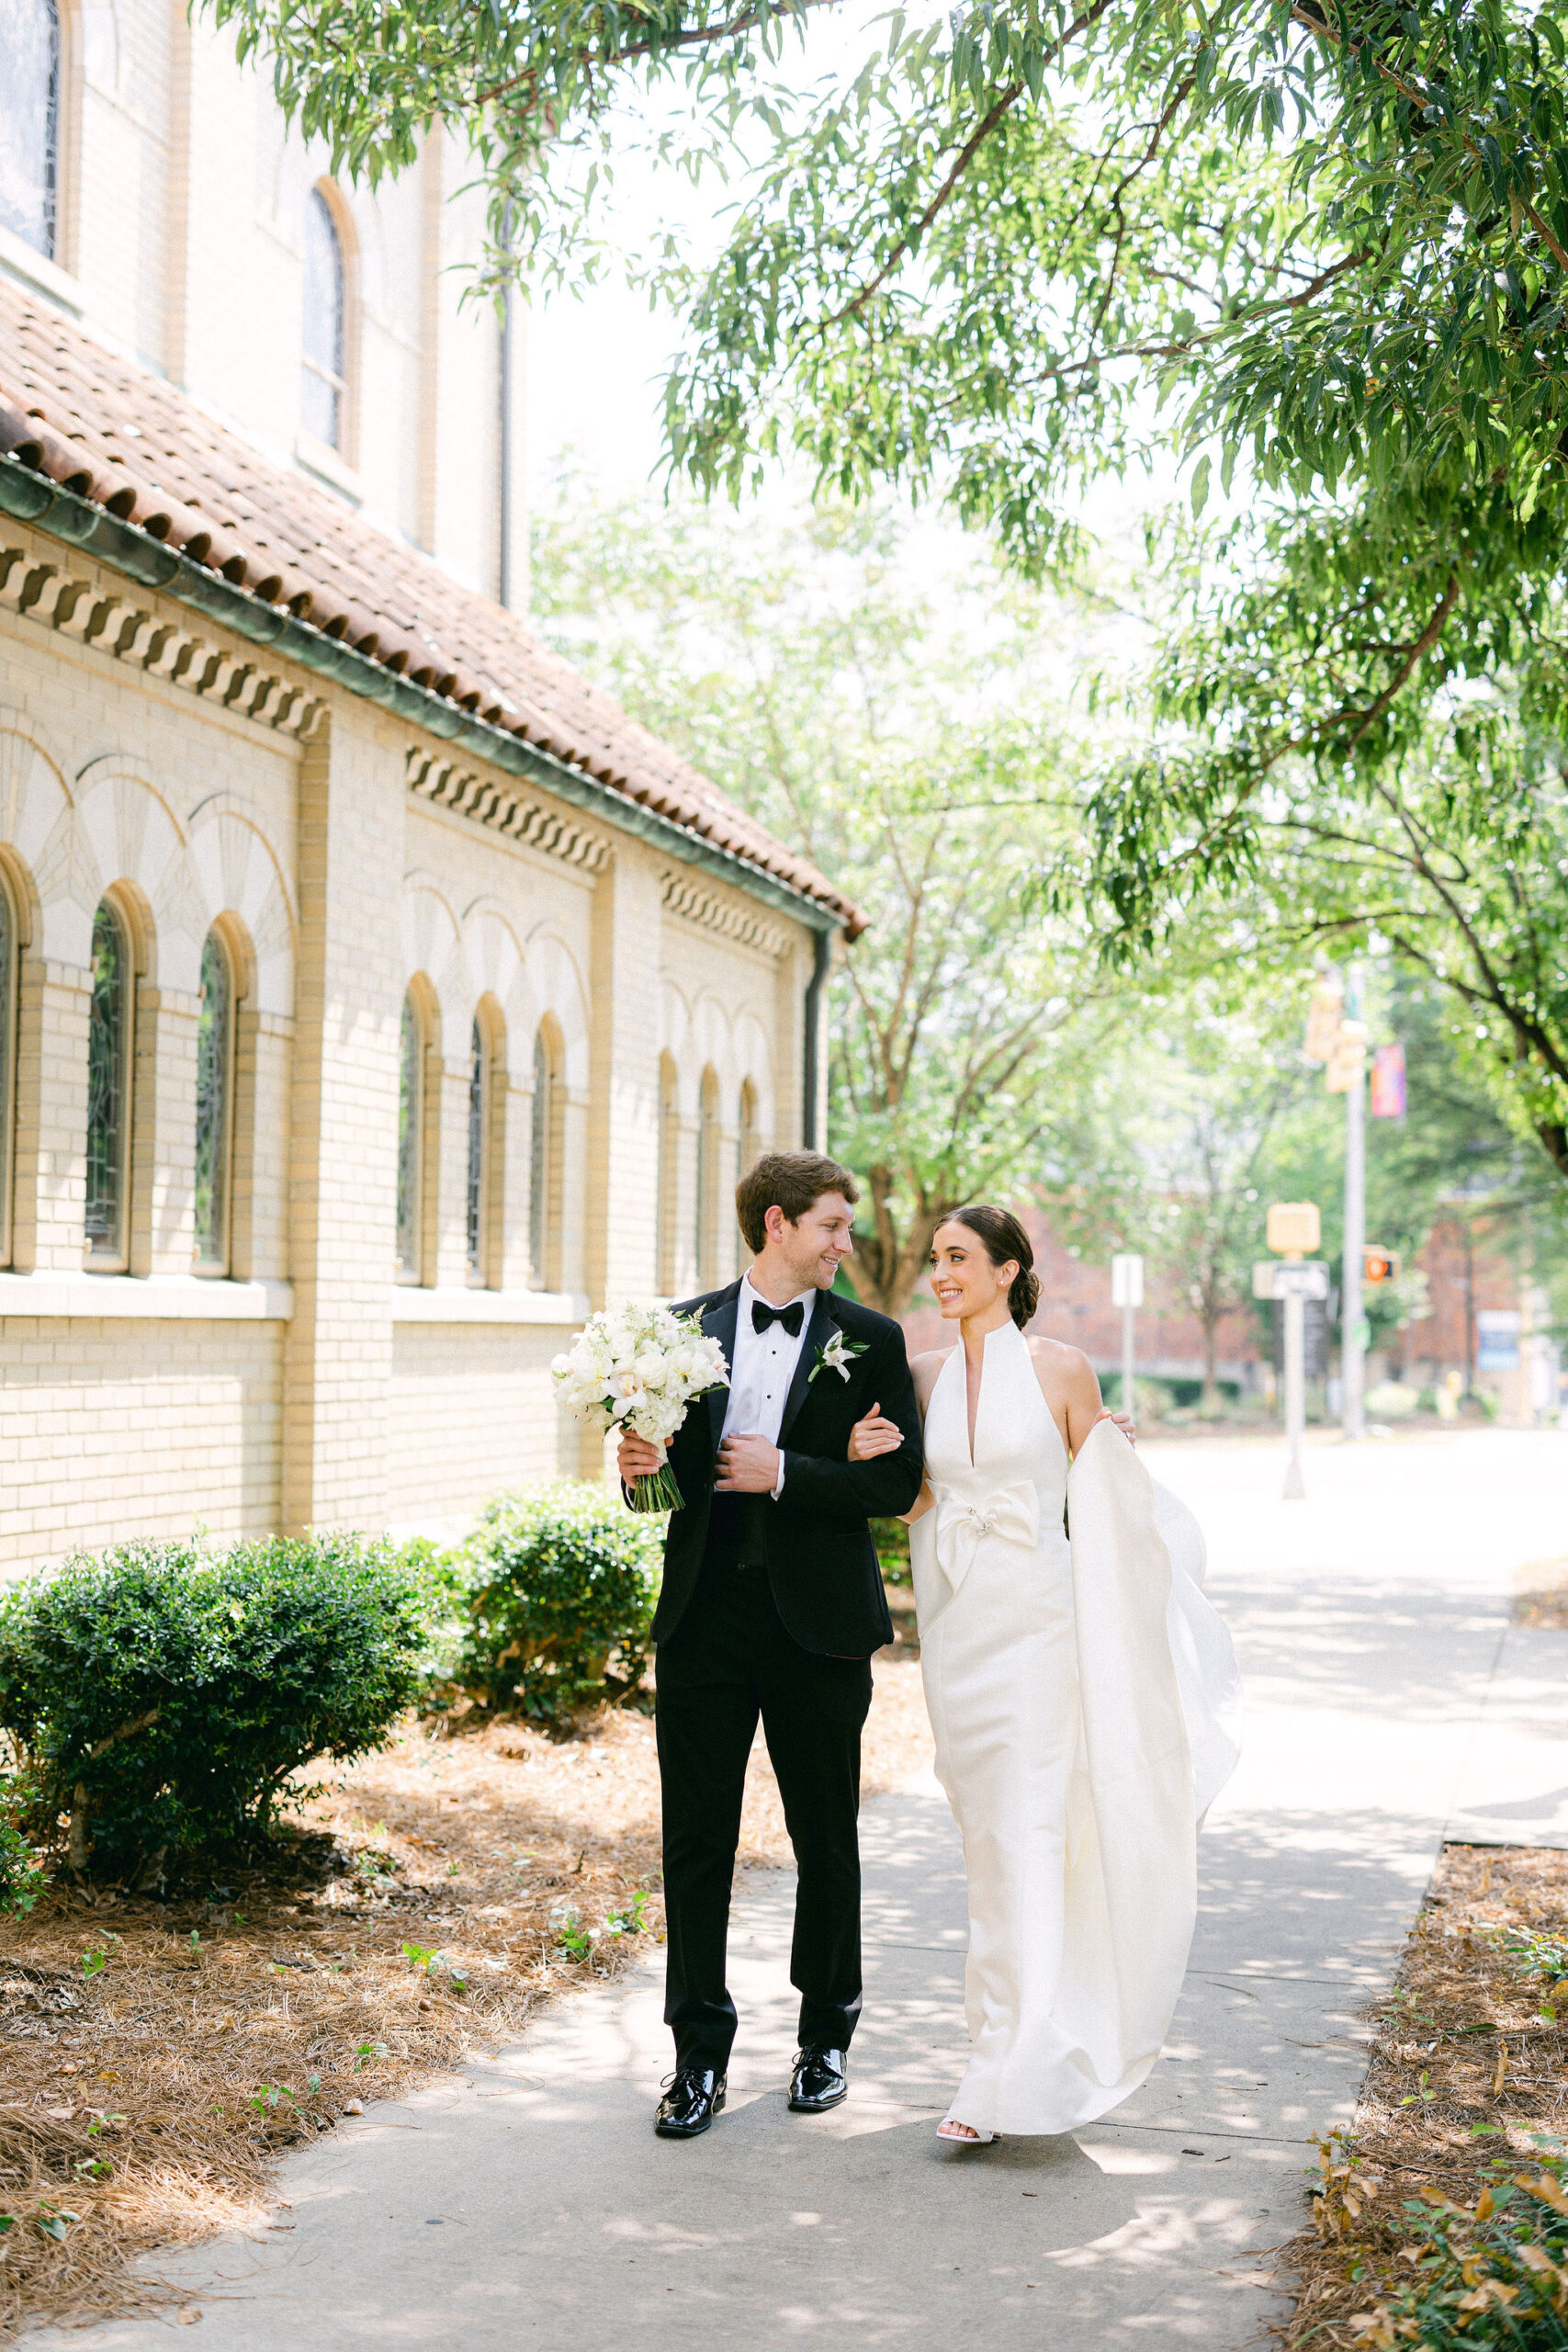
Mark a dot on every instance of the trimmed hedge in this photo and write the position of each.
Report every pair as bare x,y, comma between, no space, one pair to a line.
161,1695
561,1583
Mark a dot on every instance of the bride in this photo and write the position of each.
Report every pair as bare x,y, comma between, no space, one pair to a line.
1082,1694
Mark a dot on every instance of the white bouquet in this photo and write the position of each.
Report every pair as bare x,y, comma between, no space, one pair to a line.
637,1368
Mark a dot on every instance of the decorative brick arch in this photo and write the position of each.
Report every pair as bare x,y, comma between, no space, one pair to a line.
433,949
34,811
124,832
236,873
754,1063
496,967
557,989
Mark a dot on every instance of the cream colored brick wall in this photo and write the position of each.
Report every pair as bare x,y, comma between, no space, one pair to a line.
340,887
111,1429
182,203
476,1416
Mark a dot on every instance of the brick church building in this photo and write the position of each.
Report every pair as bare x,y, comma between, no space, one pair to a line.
375,997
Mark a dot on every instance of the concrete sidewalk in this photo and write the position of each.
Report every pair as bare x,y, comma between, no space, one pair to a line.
527,2199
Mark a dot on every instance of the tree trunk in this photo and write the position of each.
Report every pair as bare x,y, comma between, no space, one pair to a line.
1210,1401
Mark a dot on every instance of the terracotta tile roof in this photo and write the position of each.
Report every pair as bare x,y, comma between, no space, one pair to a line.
122,439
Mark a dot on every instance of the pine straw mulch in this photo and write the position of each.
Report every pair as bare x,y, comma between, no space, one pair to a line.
159,2056
1541,1594
1468,2066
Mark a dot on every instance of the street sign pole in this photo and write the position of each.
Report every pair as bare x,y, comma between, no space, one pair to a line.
1295,1394
1294,1228
1127,1293
1352,1346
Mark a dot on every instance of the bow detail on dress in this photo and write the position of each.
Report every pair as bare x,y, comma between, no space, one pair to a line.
1009,1513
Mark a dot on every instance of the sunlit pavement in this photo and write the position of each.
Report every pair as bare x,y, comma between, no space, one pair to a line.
1389,1705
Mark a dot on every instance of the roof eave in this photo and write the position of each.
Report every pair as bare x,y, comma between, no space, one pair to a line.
124,548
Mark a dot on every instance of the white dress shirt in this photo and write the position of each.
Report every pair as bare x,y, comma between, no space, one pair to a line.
764,1367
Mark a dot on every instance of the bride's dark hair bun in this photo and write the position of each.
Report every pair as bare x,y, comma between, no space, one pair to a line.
1004,1237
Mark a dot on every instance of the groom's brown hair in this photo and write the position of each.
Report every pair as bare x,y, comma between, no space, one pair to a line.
791,1181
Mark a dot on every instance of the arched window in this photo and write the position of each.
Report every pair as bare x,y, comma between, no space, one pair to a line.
545,1138
706,1224
486,1143
214,1106
322,385
750,1133
9,935
411,1142
29,120
665,1277
478,1151
110,1027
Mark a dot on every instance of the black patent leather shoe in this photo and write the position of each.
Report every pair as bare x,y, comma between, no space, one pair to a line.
693,2097
821,2078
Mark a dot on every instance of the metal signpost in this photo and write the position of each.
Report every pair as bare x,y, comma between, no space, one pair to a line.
1294,1228
1347,1074
1127,1293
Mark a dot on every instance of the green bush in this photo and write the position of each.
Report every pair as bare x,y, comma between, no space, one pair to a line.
891,1537
1495,2275
562,1582
160,1696
23,1873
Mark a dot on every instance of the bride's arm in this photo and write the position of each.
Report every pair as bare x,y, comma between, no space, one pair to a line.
875,1434
1070,1388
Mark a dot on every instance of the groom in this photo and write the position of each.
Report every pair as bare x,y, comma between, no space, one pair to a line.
771,1605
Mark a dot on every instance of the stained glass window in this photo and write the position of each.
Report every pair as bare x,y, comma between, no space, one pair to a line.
214,1091
541,1169
30,117
479,1151
108,1089
410,1138
321,376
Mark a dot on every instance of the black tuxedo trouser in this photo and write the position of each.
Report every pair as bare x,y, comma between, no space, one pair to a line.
729,1661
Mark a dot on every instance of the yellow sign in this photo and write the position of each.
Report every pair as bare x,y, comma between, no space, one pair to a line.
1294,1228
1348,1058
1324,1015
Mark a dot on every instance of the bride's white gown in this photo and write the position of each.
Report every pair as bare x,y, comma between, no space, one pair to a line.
1084,1700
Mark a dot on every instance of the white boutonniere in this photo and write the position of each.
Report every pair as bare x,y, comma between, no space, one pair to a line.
837,1356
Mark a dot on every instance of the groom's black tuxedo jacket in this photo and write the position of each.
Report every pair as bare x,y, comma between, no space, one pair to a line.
821,1559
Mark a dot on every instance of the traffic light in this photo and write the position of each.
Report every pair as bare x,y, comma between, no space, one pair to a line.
1379,1266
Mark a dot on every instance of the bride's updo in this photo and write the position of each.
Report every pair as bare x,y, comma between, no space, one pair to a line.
1004,1237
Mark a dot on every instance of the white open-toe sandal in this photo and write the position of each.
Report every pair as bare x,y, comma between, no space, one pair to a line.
964,2135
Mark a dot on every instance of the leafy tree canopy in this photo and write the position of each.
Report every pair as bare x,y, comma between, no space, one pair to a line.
899,731
971,251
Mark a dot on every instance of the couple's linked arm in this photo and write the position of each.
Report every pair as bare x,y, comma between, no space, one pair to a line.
818,1487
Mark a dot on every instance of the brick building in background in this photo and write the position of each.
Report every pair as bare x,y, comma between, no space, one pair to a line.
374,996
1484,1327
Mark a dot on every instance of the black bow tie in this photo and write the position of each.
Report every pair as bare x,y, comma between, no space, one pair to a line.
791,1317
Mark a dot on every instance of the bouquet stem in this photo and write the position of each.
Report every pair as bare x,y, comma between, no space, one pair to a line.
657,1490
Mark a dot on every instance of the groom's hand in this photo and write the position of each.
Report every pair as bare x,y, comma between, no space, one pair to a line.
746,1465
637,1458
